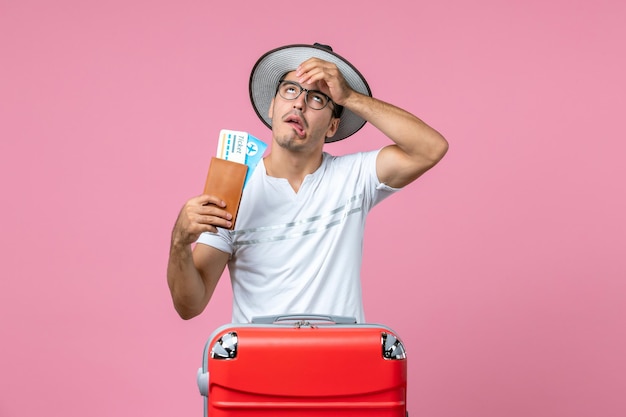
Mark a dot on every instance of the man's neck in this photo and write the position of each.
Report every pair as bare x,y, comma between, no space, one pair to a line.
293,167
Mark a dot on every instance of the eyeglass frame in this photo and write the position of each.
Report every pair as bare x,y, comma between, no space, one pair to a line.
336,109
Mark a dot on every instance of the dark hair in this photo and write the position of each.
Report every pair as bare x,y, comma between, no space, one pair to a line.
337,110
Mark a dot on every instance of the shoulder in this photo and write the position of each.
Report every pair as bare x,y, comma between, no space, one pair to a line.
352,160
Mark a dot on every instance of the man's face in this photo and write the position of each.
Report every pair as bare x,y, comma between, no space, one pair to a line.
298,127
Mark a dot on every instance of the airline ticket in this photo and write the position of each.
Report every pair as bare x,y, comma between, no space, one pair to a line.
240,147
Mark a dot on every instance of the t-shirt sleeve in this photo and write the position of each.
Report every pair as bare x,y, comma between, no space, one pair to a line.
220,240
378,191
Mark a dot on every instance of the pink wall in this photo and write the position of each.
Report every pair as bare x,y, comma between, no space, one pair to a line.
503,268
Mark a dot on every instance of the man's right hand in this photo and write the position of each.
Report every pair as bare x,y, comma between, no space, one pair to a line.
204,213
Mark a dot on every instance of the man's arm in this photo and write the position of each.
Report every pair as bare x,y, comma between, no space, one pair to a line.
417,147
193,275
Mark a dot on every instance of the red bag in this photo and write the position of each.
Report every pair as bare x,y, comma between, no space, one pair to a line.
304,365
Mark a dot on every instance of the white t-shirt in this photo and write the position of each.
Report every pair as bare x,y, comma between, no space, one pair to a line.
301,252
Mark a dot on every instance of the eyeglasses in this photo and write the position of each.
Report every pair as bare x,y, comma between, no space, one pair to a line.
291,90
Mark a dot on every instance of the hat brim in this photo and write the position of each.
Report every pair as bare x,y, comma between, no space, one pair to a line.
268,70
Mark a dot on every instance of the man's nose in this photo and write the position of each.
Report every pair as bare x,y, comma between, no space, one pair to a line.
300,102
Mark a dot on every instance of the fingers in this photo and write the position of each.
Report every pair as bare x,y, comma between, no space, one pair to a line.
210,215
200,214
315,69
327,75
206,199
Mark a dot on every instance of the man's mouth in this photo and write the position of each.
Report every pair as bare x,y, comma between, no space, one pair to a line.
296,122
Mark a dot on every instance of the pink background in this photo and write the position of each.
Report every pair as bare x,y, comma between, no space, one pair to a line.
503,269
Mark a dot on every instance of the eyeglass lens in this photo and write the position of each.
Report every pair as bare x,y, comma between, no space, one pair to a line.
290,90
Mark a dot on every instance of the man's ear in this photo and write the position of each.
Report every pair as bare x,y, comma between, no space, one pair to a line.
270,111
332,129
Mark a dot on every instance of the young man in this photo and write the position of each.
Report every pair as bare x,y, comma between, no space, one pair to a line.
297,244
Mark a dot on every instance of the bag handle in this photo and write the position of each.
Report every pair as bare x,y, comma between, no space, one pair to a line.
331,319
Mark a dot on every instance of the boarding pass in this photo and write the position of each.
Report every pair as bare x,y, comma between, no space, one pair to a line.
232,146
